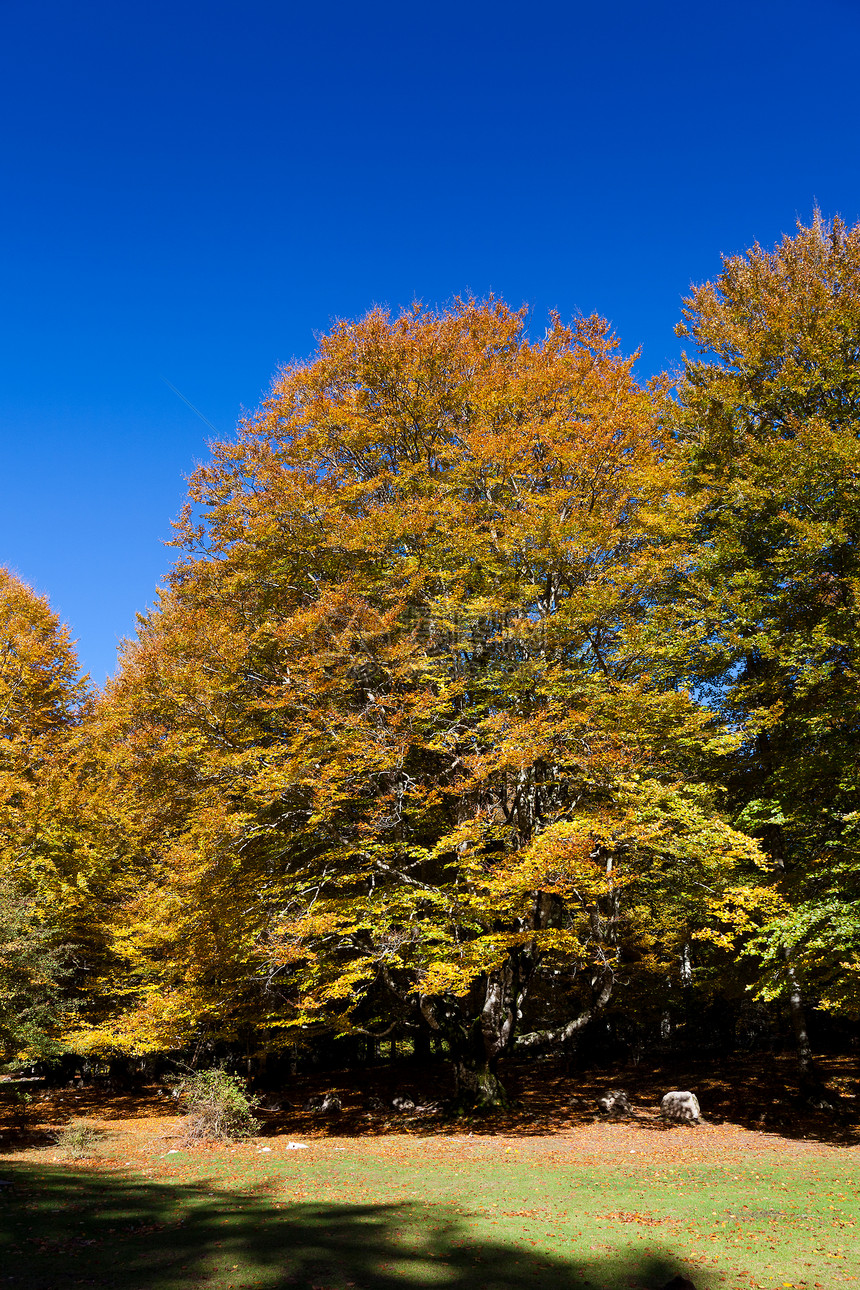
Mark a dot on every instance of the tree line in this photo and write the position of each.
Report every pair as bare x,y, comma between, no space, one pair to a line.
490,693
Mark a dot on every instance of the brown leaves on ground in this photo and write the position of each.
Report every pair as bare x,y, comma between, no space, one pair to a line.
754,1095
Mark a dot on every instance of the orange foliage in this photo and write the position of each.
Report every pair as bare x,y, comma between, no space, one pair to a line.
396,738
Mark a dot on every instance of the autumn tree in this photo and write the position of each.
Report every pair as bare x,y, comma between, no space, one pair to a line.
41,698
769,427
396,743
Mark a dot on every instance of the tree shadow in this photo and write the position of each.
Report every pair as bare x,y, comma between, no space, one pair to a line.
62,1228
755,1093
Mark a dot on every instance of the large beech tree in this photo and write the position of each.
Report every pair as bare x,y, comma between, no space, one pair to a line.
42,696
770,430
393,742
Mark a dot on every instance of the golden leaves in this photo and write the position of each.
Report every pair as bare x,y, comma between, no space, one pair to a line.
387,708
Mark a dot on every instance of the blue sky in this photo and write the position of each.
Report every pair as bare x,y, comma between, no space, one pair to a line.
193,192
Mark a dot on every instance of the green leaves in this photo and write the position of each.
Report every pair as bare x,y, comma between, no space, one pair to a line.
770,433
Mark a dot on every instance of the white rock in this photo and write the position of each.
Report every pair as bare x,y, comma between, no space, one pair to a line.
682,1107
297,1146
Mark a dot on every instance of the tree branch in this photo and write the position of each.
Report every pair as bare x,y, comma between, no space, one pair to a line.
543,1038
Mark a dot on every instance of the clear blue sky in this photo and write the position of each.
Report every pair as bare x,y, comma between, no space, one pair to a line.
193,191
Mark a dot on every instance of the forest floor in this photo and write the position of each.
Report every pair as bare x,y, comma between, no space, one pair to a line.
549,1195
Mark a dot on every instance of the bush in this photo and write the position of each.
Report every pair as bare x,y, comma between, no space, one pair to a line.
78,1139
218,1106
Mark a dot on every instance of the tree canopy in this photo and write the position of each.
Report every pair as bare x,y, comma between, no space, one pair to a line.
42,696
490,692
396,741
770,413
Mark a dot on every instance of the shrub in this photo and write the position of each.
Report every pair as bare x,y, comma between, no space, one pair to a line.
218,1106
78,1139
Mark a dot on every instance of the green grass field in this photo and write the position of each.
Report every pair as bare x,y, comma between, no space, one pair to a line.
463,1215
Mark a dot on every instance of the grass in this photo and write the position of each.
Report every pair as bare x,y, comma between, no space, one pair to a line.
460,1214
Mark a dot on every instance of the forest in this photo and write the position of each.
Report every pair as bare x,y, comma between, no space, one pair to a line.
495,704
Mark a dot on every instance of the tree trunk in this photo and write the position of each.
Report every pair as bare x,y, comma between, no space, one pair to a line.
479,1088
805,1060
812,1088
421,1042
479,1042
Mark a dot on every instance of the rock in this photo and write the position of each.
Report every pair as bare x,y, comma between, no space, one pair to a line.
401,1103
682,1107
374,1103
614,1102
329,1104
679,1283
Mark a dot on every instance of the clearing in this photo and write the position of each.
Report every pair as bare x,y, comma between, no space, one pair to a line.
374,1202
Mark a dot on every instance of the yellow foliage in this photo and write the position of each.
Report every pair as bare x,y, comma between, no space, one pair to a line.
380,737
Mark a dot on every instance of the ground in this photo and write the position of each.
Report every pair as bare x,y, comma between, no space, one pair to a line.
550,1196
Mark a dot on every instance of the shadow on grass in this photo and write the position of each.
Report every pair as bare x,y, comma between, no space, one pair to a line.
61,1228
